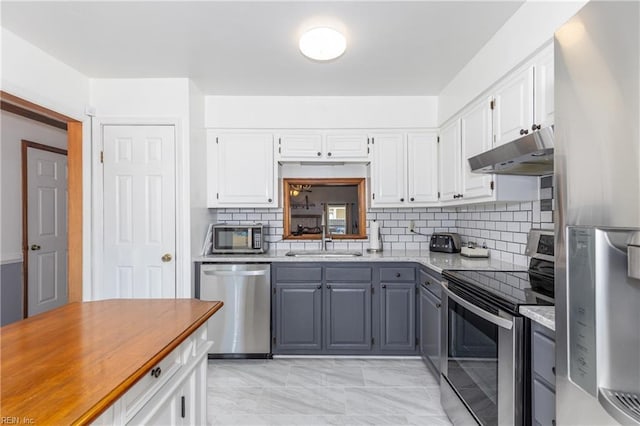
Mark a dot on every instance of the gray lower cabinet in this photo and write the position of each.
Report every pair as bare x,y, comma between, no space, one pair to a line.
343,308
430,318
398,309
348,317
543,375
298,323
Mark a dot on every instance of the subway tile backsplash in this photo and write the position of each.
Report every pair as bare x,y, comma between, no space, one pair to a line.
503,227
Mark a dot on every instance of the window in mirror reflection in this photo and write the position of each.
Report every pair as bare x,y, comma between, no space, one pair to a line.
339,204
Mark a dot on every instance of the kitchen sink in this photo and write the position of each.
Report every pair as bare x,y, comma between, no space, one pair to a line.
324,253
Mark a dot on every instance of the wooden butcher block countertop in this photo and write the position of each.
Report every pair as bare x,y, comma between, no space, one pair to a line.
68,365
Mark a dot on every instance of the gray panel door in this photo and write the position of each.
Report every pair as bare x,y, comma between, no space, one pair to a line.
397,317
348,316
430,328
298,317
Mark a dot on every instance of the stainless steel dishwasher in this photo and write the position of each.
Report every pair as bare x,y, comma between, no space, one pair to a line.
242,327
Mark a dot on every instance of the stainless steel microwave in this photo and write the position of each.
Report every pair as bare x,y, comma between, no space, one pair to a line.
237,238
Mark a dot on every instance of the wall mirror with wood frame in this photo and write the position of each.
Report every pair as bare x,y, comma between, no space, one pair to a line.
338,203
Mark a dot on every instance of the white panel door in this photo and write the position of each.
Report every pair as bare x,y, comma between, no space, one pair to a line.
449,162
475,134
47,230
422,168
139,212
388,170
513,108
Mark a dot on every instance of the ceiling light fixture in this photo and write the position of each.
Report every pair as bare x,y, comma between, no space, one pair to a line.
322,44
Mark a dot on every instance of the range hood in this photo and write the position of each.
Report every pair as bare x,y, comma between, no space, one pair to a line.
530,155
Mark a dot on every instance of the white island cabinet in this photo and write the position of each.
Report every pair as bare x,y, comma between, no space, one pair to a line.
108,362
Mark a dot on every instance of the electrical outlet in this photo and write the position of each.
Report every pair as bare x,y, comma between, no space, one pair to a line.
411,226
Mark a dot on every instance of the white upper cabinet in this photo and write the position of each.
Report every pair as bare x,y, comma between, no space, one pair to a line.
388,171
241,170
475,134
300,145
347,146
322,146
513,107
543,95
449,162
422,168
404,169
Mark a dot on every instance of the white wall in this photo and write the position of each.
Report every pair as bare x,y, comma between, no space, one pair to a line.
34,75
14,129
201,216
531,27
154,101
321,111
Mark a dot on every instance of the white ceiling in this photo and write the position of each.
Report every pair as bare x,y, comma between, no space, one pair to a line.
250,48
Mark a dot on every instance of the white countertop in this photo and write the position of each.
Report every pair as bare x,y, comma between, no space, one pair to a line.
544,315
436,261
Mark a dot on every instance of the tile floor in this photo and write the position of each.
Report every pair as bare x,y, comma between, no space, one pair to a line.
322,391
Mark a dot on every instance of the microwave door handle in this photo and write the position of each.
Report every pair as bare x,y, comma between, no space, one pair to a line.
250,238
494,319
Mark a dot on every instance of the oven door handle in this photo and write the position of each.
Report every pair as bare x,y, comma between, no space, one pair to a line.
494,319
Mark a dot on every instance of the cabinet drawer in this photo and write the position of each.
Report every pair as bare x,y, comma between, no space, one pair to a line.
397,274
544,356
148,385
348,274
544,407
431,282
298,273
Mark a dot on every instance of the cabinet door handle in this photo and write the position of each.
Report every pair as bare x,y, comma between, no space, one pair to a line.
553,370
319,286
521,132
270,200
411,199
328,286
402,200
319,154
183,407
328,154
427,282
398,274
535,127
438,305
384,286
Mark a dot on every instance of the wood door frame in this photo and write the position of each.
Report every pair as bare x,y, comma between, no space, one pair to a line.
25,215
17,105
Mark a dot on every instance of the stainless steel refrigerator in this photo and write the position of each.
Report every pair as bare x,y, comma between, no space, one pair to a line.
597,219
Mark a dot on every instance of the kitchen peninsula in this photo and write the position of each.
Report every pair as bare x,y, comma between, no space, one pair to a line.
107,361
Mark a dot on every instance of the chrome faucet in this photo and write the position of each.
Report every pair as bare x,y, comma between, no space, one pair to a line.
325,239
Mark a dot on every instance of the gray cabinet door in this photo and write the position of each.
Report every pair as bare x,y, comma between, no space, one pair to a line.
397,317
347,324
430,329
298,314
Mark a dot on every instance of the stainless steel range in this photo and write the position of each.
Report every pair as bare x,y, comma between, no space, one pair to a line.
484,356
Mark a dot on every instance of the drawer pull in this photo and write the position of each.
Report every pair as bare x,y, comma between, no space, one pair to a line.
398,274
156,372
